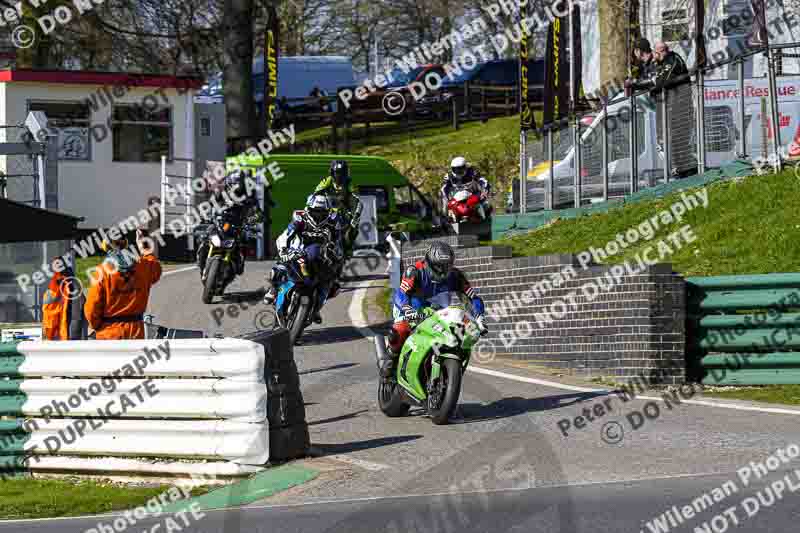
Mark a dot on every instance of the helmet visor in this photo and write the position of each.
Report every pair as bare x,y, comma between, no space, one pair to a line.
318,214
439,272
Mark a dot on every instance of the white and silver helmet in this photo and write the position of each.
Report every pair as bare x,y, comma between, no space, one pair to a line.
318,208
458,166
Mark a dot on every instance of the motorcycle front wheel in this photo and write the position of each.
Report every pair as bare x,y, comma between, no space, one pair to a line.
297,320
210,285
442,402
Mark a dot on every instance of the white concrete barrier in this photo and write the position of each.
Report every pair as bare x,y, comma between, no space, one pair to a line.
199,405
244,401
218,358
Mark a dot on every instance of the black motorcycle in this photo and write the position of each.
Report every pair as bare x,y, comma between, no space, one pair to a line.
224,261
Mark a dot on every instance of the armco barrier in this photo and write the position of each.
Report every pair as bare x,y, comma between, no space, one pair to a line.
745,330
195,406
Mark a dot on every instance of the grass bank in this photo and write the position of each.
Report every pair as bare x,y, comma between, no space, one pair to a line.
750,226
424,153
48,498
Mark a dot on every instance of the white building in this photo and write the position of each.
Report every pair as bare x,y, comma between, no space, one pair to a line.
112,130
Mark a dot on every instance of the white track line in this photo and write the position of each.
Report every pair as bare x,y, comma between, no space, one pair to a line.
185,269
360,321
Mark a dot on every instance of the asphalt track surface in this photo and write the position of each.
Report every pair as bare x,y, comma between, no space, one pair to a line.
502,465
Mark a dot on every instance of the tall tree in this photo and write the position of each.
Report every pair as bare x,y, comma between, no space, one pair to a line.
237,72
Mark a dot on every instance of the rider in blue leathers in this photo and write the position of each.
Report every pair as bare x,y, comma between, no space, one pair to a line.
303,240
427,282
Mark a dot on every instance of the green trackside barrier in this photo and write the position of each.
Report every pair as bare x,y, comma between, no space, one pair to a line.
303,172
13,437
10,361
508,225
744,330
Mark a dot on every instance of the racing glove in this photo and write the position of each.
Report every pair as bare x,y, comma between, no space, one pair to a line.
481,325
410,314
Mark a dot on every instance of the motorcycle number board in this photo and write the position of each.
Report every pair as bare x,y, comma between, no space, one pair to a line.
368,224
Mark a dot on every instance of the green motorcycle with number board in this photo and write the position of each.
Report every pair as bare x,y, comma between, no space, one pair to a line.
431,364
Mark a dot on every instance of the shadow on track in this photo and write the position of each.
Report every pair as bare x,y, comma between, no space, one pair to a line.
515,405
331,335
334,449
326,368
243,296
338,418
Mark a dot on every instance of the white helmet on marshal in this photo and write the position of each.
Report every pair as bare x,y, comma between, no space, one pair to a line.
458,166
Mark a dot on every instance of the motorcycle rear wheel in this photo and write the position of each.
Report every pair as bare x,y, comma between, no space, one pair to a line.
210,285
390,398
450,380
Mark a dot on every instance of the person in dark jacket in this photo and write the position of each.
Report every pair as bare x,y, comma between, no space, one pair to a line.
668,75
644,58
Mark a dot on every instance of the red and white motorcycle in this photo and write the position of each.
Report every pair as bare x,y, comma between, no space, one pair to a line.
466,206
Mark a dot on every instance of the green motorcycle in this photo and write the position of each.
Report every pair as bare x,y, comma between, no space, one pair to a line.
431,364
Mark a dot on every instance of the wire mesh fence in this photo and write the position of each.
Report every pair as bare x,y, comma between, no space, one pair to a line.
700,121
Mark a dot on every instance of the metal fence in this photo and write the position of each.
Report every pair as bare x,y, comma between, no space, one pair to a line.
703,121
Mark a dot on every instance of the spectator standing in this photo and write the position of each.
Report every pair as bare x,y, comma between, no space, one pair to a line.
668,74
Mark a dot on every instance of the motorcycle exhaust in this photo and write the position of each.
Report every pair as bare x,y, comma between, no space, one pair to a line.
380,350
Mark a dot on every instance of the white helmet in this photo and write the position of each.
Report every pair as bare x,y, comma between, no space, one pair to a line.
318,208
458,166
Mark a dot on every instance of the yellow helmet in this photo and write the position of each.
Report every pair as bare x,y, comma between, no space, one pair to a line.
107,245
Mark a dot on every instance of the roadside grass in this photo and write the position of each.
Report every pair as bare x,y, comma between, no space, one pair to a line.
749,227
423,155
49,498
380,300
384,301
783,394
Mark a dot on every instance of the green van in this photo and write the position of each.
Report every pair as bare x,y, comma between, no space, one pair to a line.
401,206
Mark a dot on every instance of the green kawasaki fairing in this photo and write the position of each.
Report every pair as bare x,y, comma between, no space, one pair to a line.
439,328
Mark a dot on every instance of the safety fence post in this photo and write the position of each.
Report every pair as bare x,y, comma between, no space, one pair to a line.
634,149
550,190
665,136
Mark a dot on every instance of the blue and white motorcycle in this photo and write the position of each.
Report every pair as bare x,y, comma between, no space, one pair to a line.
307,279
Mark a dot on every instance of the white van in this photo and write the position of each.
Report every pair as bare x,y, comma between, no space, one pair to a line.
721,134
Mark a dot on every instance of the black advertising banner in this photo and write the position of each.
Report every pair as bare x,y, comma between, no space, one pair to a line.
576,92
556,77
271,66
758,37
634,35
526,119
700,58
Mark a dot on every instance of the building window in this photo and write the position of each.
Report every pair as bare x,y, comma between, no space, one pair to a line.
70,122
205,126
675,25
141,135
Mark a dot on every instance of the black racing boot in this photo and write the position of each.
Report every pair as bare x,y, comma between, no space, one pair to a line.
389,366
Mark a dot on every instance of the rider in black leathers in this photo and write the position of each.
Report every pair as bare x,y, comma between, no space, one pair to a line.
239,206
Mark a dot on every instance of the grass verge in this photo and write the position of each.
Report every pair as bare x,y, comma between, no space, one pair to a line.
423,154
749,227
49,498
783,394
